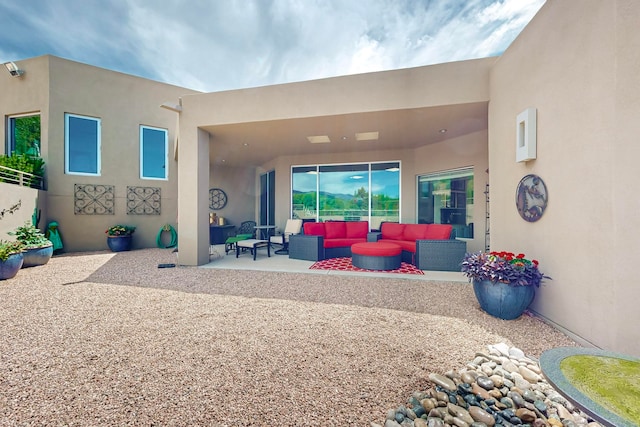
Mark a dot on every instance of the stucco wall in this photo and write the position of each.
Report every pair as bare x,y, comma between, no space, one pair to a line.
576,63
55,86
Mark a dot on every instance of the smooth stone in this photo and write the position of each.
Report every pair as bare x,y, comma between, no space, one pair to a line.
495,393
564,414
498,381
569,423
411,414
428,404
521,383
442,381
502,348
460,412
540,406
529,375
417,412
526,415
399,417
478,424
391,423
480,415
509,366
459,422
477,390
420,423
442,397
529,396
471,400
464,388
437,413
555,423
391,414
485,382
539,422
469,377
515,421
453,375
516,353
516,398
435,422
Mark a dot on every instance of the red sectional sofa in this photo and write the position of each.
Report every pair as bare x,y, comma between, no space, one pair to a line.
427,246
331,239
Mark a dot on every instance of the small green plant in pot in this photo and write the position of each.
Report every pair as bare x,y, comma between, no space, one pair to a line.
36,247
11,259
119,237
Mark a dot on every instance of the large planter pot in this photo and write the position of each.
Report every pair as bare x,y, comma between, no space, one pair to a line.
502,300
10,267
37,256
119,243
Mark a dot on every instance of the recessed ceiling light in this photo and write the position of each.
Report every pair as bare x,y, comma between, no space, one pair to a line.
442,131
344,138
366,136
319,139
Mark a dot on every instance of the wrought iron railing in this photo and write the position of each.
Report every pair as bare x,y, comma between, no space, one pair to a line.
17,177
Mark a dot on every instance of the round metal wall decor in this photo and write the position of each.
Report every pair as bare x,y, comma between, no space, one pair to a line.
531,198
217,199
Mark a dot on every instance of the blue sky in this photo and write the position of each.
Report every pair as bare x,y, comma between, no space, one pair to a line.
213,45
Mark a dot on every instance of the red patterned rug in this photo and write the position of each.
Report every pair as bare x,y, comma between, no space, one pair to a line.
344,264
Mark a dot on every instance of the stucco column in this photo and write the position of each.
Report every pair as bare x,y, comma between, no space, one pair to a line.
193,197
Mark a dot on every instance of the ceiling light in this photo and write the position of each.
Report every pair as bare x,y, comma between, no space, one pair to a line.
367,136
319,139
344,138
13,69
442,131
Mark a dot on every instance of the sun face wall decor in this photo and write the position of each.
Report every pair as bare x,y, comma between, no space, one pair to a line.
531,198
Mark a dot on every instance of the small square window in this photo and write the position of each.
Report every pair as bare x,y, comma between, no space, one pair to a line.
23,136
81,145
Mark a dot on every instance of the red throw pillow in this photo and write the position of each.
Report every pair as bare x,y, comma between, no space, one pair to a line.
357,229
335,229
314,228
438,232
413,232
392,230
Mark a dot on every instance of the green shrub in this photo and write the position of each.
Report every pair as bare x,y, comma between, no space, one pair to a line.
9,248
23,163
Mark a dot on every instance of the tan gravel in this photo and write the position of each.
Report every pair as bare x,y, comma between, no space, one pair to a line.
110,339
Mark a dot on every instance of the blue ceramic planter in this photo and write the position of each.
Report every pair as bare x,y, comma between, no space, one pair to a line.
37,256
502,300
10,267
119,243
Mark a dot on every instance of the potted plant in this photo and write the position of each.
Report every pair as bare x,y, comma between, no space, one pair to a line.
504,283
36,247
119,237
11,259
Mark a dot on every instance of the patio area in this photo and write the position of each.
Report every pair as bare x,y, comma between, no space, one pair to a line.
111,339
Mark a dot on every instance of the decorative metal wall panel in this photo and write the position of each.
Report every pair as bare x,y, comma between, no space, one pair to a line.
89,199
143,200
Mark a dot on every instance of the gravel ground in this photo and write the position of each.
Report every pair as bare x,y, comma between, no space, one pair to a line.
110,339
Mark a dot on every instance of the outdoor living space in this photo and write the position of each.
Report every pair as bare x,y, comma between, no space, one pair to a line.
282,263
111,339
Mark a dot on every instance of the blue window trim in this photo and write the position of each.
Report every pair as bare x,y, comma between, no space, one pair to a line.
165,156
66,145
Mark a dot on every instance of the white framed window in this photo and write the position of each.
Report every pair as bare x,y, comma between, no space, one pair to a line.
154,148
81,145
23,134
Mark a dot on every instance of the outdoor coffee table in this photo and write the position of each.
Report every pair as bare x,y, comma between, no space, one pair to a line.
252,245
605,385
376,255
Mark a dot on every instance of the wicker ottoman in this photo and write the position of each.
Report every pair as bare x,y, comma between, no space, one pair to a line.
376,255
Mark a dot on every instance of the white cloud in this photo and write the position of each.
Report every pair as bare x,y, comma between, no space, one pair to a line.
232,44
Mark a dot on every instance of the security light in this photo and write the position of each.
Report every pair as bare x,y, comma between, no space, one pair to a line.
13,69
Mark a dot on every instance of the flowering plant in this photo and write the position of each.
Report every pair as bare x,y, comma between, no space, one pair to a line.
504,267
120,230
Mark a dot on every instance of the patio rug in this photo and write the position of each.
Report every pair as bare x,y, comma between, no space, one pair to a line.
344,264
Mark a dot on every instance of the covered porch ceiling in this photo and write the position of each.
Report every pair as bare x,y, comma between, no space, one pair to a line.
256,143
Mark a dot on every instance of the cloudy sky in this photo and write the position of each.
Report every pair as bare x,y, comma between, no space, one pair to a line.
213,45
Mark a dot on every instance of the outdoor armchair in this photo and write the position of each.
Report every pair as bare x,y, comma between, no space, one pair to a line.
245,231
293,226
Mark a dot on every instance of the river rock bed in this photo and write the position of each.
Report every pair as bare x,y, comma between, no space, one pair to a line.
502,387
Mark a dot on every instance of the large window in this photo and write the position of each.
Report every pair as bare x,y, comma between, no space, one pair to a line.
153,153
353,192
23,136
447,198
81,145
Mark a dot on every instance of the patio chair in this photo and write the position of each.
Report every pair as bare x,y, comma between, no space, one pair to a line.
293,226
245,231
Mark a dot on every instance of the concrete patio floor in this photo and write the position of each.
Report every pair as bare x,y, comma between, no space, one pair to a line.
220,260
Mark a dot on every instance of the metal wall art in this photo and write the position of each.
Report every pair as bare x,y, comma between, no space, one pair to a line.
89,199
217,199
531,198
143,200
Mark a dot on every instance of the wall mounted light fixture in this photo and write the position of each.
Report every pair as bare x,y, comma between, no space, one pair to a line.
13,69
526,135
